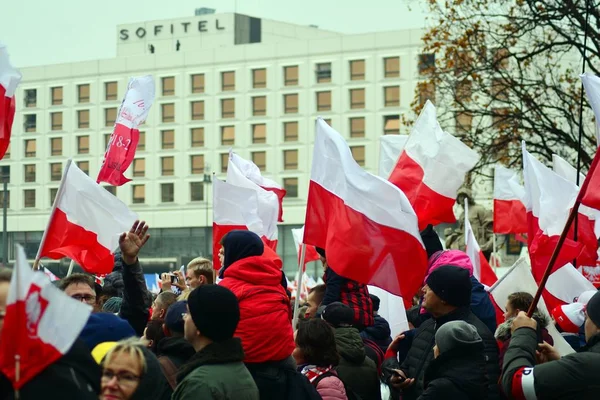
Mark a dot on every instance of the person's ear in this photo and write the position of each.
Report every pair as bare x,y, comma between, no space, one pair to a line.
150,343
202,280
162,313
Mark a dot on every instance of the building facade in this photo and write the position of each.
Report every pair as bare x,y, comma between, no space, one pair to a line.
222,80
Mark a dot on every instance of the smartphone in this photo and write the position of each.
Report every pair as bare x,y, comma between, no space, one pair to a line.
174,279
396,373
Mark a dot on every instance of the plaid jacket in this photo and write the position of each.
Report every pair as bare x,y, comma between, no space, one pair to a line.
353,294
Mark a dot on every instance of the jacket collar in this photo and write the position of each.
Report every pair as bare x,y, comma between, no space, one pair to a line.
225,352
459,314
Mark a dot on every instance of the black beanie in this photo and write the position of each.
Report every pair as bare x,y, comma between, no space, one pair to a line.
320,251
593,309
215,311
338,314
451,284
376,302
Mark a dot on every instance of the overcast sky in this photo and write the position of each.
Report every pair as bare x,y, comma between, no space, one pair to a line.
40,32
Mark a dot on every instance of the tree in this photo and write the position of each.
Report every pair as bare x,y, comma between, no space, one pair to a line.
509,71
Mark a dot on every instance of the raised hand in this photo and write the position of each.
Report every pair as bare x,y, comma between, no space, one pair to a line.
132,242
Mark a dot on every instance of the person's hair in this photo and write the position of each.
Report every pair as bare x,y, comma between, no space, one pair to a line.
376,302
5,274
132,347
520,301
319,290
316,340
75,279
165,299
155,332
201,266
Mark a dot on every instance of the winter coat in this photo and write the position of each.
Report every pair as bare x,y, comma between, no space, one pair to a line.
136,298
458,374
355,369
503,334
177,351
353,294
574,376
380,333
153,384
420,354
265,326
331,388
217,372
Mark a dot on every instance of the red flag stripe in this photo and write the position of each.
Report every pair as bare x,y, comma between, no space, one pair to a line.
510,216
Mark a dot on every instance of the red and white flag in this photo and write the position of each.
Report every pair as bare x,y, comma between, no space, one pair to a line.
509,211
126,135
268,203
9,80
481,267
311,253
591,84
251,171
431,169
565,285
590,189
366,225
85,223
50,275
390,148
41,323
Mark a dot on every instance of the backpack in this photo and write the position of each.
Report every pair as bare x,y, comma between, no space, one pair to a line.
350,394
299,388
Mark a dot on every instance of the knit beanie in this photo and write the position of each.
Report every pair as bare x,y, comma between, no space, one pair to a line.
112,305
593,309
456,334
376,302
174,318
451,284
105,327
338,314
215,311
569,317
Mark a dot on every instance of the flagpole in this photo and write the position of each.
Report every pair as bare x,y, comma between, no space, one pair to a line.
299,286
71,265
17,374
59,194
494,256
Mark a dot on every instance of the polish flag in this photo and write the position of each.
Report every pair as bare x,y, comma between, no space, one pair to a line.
509,211
311,253
126,135
564,286
9,80
481,267
251,171
366,224
590,189
591,84
431,169
41,323
268,203
519,279
50,275
390,147
85,223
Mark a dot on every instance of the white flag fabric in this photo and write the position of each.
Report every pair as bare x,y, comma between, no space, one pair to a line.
390,147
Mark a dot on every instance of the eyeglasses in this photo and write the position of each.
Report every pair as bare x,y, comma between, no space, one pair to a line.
123,378
88,298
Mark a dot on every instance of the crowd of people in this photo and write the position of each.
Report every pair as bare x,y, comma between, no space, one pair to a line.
229,335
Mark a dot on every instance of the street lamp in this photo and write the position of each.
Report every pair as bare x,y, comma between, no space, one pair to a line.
5,172
207,182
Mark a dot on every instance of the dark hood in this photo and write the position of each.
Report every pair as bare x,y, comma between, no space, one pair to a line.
239,245
176,347
380,330
350,344
153,385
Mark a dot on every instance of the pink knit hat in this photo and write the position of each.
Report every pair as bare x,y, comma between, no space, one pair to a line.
449,257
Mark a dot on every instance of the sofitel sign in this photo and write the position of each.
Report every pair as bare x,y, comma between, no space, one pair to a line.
141,32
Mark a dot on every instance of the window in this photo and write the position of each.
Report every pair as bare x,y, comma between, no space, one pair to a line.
110,116
290,131
139,167
30,98
168,86
83,93
197,135
197,110
83,119
357,127
464,122
168,112
227,81
55,171
290,102
56,121
167,192
227,108
30,173
426,92
224,162
462,62
198,83
167,166
259,78
392,96
500,118
259,133
290,159
110,91
111,189
57,95
196,191
53,193
501,58
56,147
260,159
167,139
290,185
259,105
499,89
197,162
358,153
142,142
106,140
227,135
7,198
391,67
357,98
138,194
426,63
324,101
464,90
30,123
323,72
84,166
83,144
30,147
391,125
357,70
290,75
29,196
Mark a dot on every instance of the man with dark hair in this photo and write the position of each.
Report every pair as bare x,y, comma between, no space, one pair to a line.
313,301
80,287
161,305
380,333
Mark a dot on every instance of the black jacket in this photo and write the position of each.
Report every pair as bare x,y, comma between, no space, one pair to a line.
572,377
136,298
177,349
458,374
380,333
421,354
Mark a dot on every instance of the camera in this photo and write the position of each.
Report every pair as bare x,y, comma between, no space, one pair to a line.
174,279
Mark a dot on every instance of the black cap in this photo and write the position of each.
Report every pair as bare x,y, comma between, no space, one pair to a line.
215,311
451,284
338,314
593,309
